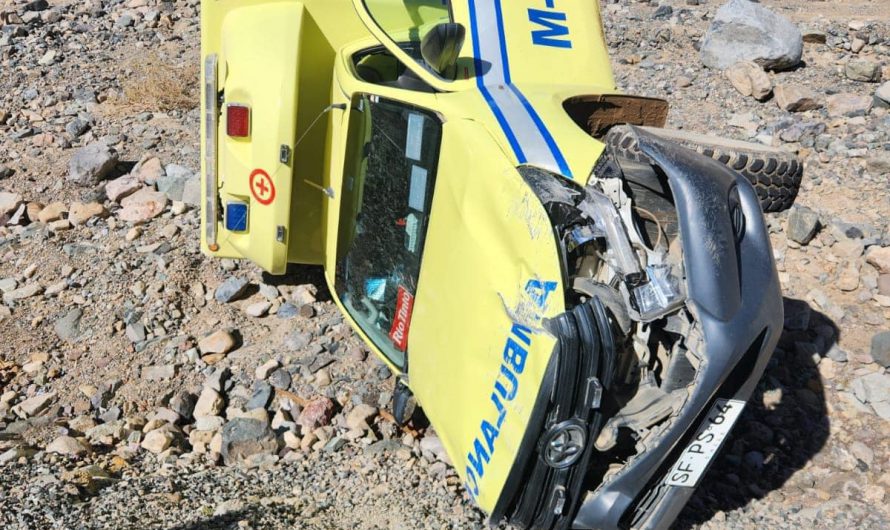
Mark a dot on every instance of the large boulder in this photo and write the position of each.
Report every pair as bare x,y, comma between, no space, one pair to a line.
745,31
91,164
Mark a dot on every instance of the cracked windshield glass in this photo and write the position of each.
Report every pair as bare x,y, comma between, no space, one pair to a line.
388,180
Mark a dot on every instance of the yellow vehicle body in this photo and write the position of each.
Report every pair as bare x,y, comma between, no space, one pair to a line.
491,270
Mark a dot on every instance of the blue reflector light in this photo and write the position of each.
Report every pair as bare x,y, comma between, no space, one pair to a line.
236,216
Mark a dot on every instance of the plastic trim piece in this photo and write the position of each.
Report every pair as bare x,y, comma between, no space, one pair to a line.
734,289
211,134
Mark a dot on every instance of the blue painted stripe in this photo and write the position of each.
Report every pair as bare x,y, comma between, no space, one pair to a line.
499,115
551,143
502,38
536,118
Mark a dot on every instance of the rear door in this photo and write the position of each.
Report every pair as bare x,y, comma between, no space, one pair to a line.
250,68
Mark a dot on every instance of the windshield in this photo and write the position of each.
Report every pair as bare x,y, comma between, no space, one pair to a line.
390,169
407,21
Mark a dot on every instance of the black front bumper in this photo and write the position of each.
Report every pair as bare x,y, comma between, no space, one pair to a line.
734,294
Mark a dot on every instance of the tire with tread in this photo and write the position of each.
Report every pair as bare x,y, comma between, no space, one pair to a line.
775,174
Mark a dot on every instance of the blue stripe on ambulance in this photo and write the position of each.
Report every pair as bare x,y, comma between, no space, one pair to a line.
526,132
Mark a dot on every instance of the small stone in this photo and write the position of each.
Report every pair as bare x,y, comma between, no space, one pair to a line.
158,373
863,70
220,341
857,45
280,379
261,397
360,415
814,36
217,379
432,447
80,213
142,206
9,202
91,164
836,354
291,440
52,212
34,405
879,257
67,328
133,233
849,105
209,423
77,127
802,225
183,403
872,388
880,348
136,332
750,80
67,445
883,92
848,276
258,309
884,284
796,98
322,378
60,225
287,310
231,289
149,171
157,441
304,294
317,413
32,210
32,289
245,437
878,165
122,187
263,371
210,403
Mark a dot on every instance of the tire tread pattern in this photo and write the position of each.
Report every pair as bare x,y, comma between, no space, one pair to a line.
775,175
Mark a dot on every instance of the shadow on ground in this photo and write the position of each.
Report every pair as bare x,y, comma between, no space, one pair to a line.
302,274
784,425
253,514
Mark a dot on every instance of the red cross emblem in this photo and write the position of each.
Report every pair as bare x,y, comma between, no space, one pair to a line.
261,187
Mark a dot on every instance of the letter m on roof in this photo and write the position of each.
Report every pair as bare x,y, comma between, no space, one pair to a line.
554,32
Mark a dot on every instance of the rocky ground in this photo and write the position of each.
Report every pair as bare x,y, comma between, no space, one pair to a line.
142,385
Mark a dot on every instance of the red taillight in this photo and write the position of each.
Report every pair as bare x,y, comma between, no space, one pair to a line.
237,120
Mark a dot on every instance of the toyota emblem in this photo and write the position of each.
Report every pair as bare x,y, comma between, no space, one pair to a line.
563,444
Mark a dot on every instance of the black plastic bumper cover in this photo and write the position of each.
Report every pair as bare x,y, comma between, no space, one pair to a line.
734,290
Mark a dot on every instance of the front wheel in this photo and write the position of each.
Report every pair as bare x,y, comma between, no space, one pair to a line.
774,173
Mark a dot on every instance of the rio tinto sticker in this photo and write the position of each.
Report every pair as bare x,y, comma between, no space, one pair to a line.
402,321
261,187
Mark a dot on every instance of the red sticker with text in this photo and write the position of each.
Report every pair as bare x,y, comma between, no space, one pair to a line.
261,187
402,321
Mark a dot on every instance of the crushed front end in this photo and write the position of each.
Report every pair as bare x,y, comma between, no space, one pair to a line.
674,313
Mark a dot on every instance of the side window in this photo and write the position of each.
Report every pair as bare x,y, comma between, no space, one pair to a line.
390,170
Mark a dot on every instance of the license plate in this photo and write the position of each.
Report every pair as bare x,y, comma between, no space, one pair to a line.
697,456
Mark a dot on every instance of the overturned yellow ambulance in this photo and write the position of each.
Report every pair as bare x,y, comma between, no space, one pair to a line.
580,301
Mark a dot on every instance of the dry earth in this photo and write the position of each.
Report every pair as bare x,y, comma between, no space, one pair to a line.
103,326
